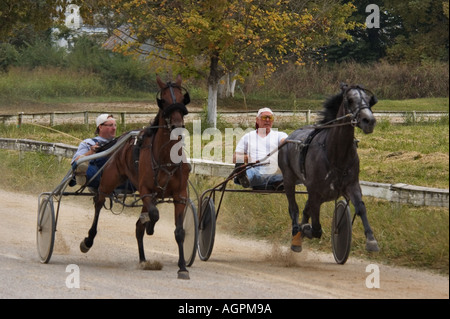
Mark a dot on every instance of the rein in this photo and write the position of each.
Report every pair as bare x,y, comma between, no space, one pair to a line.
330,124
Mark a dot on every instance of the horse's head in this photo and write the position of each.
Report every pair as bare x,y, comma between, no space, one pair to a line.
172,102
359,101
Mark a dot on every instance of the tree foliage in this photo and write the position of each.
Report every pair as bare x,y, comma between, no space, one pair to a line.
425,33
18,14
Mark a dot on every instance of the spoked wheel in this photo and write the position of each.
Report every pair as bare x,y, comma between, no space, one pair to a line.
45,235
341,232
207,229
190,225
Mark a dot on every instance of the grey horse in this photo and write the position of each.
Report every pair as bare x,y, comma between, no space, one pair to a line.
324,158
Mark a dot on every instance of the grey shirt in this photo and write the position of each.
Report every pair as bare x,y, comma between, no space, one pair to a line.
85,146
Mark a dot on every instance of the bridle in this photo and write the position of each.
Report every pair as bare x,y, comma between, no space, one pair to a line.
168,168
355,114
352,114
174,106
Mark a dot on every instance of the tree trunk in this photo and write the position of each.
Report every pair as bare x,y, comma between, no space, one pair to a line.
227,88
232,85
213,85
212,104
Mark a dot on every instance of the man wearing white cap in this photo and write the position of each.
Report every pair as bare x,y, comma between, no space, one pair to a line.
255,146
106,131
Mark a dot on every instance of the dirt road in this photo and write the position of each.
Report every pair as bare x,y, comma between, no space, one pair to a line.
238,268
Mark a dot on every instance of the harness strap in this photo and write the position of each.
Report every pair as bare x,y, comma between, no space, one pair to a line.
305,148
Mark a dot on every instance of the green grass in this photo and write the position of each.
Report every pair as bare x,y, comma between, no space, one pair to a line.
31,172
424,105
412,154
28,86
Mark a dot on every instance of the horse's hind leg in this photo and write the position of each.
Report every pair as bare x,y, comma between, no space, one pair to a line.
312,209
87,243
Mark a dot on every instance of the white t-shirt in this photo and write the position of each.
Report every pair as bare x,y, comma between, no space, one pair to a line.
257,148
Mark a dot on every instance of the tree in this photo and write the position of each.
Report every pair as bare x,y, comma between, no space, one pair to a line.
17,14
367,44
212,38
426,33
410,31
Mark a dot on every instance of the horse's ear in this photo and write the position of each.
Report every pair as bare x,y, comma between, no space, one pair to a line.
373,100
160,83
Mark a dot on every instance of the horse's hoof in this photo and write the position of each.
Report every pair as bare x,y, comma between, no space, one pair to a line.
372,246
296,249
150,228
296,244
183,274
84,249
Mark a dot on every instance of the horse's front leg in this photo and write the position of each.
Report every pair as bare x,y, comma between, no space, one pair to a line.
87,243
180,206
140,230
149,214
360,210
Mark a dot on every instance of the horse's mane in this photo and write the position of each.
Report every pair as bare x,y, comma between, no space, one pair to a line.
150,130
330,109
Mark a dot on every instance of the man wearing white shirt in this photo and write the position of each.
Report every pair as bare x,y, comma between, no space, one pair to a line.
254,147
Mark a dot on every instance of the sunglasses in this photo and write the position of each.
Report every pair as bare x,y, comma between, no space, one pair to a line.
267,118
110,125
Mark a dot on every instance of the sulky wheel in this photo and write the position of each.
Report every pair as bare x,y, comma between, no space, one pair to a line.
341,232
45,235
190,226
207,229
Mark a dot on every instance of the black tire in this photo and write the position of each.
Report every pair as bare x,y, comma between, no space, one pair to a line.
45,234
341,232
190,226
207,229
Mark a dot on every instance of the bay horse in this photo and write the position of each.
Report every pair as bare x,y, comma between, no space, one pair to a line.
147,163
324,158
